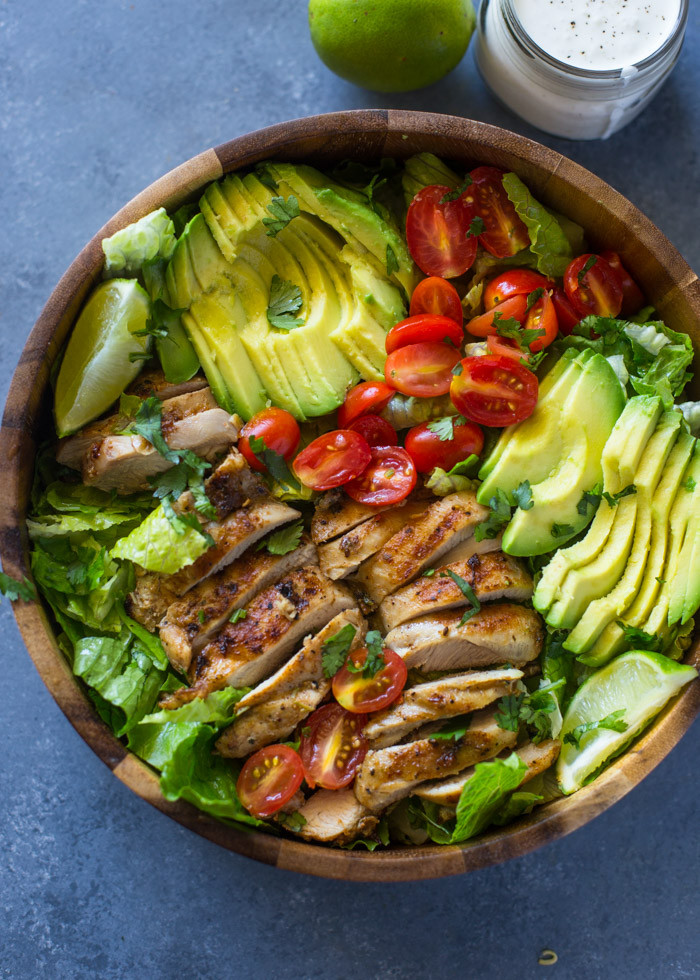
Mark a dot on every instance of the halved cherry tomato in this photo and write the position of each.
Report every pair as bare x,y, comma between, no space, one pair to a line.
269,779
506,347
567,317
421,370
504,231
593,286
632,296
494,391
541,316
438,296
427,450
333,746
332,460
424,328
389,478
375,430
438,233
515,282
483,325
278,430
360,694
366,398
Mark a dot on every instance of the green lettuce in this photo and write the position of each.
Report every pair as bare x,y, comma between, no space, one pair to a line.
485,794
547,238
444,482
67,509
159,545
691,413
151,237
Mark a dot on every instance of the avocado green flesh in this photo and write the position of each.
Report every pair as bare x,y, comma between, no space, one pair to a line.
425,169
176,354
196,265
685,588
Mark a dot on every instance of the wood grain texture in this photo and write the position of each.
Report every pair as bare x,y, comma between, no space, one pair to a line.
609,219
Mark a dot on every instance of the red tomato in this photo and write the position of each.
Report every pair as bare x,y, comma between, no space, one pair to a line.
541,316
632,296
494,391
593,286
277,428
438,296
504,232
389,478
505,347
424,328
366,398
360,694
421,370
482,326
427,450
438,234
269,779
332,460
567,317
375,430
333,748
515,282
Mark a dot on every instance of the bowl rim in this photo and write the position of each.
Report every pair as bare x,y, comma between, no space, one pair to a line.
381,132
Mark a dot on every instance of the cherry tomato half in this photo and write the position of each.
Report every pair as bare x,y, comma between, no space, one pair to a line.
494,391
515,282
424,328
542,316
375,430
438,296
504,231
632,296
360,694
332,459
483,325
269,779
389,478
278,430
428,450
333,748
567,317
421,370
438,233
365,398
593,286
506,347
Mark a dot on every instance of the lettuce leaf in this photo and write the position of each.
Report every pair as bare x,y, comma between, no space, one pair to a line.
691,413
151,237
547,238
66,509
485,794
159,546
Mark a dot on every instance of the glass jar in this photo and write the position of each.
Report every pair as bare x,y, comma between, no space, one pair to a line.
577,103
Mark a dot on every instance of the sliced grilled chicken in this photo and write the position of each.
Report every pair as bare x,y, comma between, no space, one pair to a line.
491,576
153,382
499,633
149,600
307,664
271,721
419,544
537,758
445,698
232,484
245,652
337,514
465,549
191,622
335,817
344,555
387,775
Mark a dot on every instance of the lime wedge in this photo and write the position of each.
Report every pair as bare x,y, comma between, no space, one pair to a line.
639,684
96,366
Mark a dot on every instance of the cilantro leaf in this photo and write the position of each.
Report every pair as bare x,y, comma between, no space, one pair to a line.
586,267
458,368
237,615
638,639
509,327
14,590
274,463
392,263
456,194
138,355
508,714
476,228
263,174
285,300
282,213
533,297
562,530
369,190
612,722
444,428
522,495
284,540
612,499
161,321
589,499
336,648
468,593
530,708
497,519
201,616
374,661
689,484
455,729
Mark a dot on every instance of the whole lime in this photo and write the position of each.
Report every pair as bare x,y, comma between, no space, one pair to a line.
391,45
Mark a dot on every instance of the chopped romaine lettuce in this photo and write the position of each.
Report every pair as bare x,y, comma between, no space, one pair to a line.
151,237
548,241
691,413
158,545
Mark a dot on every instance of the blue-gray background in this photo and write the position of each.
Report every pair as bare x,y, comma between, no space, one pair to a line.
96,101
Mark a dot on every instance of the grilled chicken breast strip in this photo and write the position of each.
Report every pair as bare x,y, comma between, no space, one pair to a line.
336,514
335,817
344,555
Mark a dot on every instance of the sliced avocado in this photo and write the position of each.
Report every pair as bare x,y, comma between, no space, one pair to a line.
620,460
612,640
226,222
602,610
196,265
685,597
588,413
176,354
425,169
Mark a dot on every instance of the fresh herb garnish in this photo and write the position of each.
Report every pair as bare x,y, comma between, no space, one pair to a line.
562,530
533,297
476,228
200,617
374,661
590,262
428,573
589,499
306,731
444,428
510,328
689,484
161,321
532,709
14,590
237,615
497,519
335,649
282,213
284,540
468,593
612,722
285,301
370,189
522,496
456,194
455,729
392,263
139,356
612,499
263,174
458,368
638,639
274,463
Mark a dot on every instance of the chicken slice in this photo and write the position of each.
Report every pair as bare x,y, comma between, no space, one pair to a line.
307,664
243,653
149,599
491,576
387,775
232,484
271,721
153,382
419,544
499,633
191,622
337,514
445,698
345,554
465,549
335,817
537,758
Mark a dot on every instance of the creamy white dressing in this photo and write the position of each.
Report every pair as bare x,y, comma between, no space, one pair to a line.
600,35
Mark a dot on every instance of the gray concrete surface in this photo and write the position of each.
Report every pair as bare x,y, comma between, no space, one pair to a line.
97,100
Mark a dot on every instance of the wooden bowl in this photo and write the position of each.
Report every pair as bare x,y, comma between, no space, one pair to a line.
610,221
